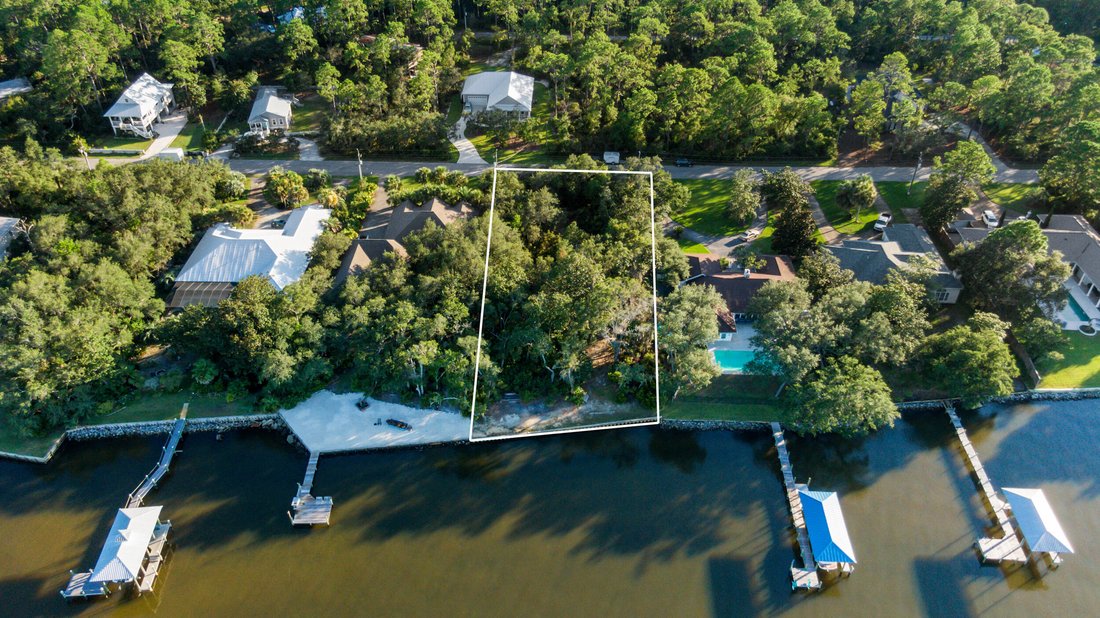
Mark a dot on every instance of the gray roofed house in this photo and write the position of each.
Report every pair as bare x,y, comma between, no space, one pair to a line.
226,255
872,260
1079,244
505,91
12,87
270,112
143,103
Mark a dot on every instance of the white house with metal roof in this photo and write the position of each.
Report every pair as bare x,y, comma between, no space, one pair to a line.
143,103
505,91
226,255
270,112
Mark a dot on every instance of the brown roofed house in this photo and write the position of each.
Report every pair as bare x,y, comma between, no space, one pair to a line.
737,287
364,252
385,229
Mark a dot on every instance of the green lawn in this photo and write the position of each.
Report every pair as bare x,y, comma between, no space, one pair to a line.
1011,195
190,138
692,247
122,142
898,196
308,115
841,219
477,66
454,111
729,398
705,212
148,406
763,242
1080,367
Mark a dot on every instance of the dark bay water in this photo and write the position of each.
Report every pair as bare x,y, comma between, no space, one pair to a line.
633,522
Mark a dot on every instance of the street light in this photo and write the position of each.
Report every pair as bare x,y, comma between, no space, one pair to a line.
359,156
920,159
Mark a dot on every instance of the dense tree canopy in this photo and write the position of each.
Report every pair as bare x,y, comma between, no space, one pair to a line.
78,292
1012,273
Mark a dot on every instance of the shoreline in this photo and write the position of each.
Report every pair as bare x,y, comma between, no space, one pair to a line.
275,422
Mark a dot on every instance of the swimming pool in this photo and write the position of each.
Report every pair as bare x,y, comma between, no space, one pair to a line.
733,361
1078,310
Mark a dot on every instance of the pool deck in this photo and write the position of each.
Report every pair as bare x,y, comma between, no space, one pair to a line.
1068,317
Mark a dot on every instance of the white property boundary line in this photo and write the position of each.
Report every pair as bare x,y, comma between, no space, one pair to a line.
485,289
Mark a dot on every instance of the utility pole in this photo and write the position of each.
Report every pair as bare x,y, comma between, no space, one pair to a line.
359,156
920,159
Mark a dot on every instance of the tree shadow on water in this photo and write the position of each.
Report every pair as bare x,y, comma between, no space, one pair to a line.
942,587
679,448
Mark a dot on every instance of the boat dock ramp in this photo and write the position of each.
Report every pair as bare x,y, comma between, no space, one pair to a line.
307,509
135,548
804,577
1006,548
168,451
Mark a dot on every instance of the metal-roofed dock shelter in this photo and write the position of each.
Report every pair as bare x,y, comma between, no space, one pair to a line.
132,553
1040,527
827,530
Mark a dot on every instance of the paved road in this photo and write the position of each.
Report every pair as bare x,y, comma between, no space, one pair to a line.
407,168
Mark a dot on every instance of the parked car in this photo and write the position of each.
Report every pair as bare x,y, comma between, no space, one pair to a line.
611,157
278,224
684,162
989,218
884,219
748,235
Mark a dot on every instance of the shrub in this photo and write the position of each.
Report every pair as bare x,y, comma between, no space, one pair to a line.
392,183
317,178
172,380
232,186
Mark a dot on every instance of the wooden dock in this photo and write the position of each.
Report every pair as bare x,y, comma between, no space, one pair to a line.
804,577
1007,548
168,451
307,509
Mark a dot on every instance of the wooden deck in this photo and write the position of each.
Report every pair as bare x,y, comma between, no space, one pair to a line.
1008,547
147,577
137,497
79,587
307,509
804,577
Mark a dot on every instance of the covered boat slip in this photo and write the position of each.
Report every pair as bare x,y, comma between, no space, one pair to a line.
1036,520
828,533
132,553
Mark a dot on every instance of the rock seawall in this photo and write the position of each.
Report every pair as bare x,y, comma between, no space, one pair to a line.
148,428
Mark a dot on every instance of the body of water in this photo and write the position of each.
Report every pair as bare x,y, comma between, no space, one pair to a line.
637,522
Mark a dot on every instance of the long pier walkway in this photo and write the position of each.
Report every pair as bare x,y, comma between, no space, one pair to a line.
137,497
307,509
1008,548
805,577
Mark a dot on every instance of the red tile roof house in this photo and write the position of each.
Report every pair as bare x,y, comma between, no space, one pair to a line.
736,287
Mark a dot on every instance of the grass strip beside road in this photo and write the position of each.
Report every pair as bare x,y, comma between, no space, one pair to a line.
1013,196
705,212
840,218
